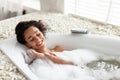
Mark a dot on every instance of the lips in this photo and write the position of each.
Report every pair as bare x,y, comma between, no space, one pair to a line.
39,44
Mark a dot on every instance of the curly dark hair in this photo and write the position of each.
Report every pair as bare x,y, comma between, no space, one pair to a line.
23,25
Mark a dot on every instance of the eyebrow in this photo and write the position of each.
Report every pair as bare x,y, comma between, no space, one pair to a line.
31,36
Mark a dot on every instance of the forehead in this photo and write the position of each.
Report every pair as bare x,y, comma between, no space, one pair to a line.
30,31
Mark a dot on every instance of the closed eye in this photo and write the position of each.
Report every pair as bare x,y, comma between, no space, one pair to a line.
32,39
38,34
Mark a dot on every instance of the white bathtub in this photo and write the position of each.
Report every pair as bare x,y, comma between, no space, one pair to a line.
104,44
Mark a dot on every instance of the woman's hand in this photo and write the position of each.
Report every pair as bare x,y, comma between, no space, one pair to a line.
35,54
49,55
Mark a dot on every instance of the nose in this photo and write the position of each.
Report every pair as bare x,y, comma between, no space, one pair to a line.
37,39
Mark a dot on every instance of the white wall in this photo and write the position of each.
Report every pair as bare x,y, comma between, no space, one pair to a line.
33,4
10,8
52,5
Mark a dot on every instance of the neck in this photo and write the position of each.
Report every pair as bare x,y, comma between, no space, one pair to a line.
45,49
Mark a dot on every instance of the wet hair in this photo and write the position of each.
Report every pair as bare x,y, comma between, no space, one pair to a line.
24,25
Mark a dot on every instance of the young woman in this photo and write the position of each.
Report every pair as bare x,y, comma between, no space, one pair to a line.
44,62
32,34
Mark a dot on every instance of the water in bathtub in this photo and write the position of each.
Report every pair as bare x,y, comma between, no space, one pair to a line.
91,65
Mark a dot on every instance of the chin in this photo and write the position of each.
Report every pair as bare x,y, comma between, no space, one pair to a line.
42,46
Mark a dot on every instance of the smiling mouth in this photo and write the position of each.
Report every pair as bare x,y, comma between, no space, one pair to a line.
40,43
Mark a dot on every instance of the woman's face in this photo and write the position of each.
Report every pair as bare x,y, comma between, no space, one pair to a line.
34,38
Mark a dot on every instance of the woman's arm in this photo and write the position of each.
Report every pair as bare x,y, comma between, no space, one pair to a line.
57,60
49,55
31,61
32,53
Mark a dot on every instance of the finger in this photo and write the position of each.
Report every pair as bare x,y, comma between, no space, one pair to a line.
52,53
47,54
42,55
28,52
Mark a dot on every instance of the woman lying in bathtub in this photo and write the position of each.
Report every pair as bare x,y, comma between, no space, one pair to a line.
44,62
32,34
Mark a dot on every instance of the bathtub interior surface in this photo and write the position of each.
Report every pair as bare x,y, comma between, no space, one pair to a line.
104,44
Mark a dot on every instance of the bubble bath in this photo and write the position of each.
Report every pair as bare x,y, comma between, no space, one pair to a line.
91,65
105,69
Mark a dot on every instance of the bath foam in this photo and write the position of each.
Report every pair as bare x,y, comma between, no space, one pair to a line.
91,66
105,68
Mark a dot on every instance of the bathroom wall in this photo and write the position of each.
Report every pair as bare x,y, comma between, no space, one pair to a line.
52,5
10,8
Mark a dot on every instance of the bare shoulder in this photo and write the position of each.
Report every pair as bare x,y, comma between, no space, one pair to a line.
58,48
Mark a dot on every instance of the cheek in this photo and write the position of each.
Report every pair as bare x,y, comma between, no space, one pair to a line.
30,44
44,38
